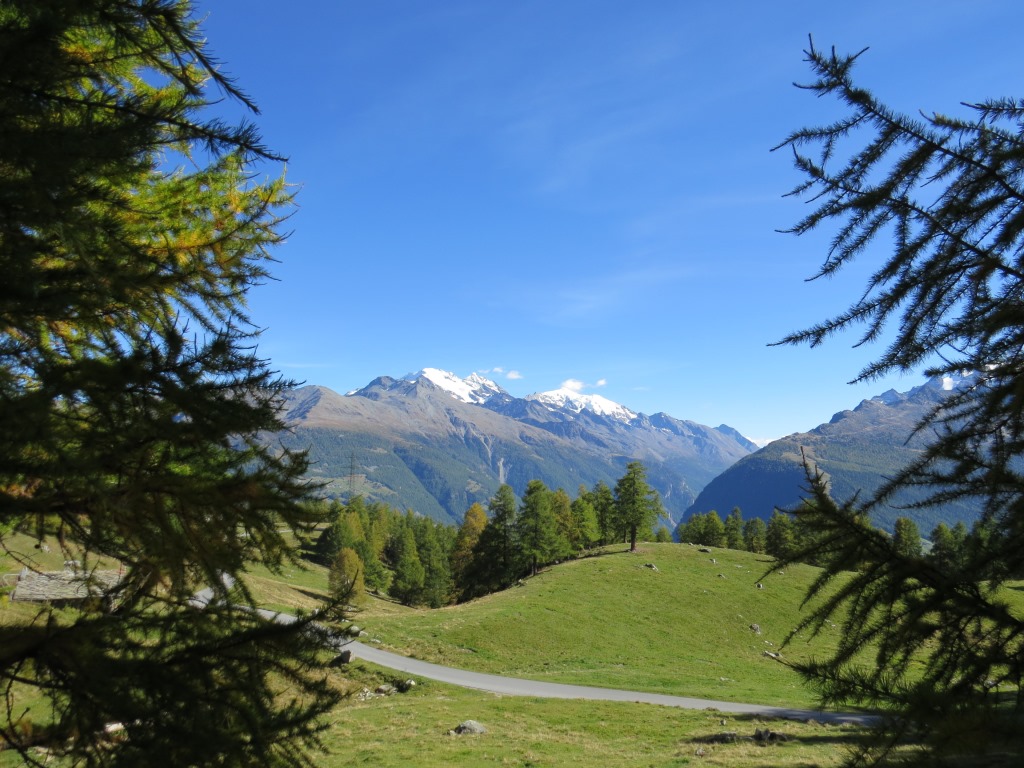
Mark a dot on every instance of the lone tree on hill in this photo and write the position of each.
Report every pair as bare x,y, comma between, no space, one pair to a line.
637,505
132,225
948,648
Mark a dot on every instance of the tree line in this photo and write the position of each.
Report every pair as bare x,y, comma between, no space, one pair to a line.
417,561
786,534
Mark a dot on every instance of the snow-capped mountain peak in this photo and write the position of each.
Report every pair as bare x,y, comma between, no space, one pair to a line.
571,400
473,389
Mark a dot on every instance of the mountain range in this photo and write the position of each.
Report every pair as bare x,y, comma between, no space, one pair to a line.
436,443
858,449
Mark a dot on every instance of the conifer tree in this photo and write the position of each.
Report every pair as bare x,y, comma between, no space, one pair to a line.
603,501
437,578
345,578
497,558
569,535
755,535
734,529
906,538
780,538
585,526
473,523
637,505
944,196
407,584
132,225
537,528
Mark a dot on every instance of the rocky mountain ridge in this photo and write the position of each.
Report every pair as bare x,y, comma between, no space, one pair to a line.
436,443
857,449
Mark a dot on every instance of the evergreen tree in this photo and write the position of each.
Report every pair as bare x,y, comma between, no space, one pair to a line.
473,523
755,535
345,578
537,528
132,224
946,193
603,501
906,538
780,539
734,530
584,517
407,584
496,557
704,528
437,578
663,535
569,535
636,504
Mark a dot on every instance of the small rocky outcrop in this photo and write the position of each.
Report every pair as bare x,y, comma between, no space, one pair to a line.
467,727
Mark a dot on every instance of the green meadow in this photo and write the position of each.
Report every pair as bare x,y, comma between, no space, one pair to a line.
682,627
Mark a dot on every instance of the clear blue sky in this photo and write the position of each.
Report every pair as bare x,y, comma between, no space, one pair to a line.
577,189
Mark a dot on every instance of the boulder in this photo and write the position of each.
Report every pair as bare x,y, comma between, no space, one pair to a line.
468,726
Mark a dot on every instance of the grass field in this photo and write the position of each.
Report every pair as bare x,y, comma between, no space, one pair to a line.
609,620
606,620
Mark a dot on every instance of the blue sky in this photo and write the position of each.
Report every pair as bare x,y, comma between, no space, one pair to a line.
570,189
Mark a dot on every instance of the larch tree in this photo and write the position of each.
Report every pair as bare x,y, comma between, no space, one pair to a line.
906,537
537,528
637,505
473,523
734,529
755,535
942,198
496,558
133,223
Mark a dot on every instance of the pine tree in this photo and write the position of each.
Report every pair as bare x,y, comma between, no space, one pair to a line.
537,528
345,578
603,501
132,225
945,193
734,529
473,523
584,517
497,559
780,539
437,578
636,504
407,584
755,535
906,538
569,536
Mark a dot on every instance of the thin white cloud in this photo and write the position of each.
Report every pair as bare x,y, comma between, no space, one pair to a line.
601,382
514,375
573,384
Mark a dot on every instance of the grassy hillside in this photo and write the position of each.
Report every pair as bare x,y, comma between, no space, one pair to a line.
605,620
611,621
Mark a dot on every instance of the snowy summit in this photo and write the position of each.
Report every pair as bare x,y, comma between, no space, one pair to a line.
571,400
473,389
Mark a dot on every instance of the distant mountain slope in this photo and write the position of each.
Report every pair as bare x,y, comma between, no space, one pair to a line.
857,449
436,443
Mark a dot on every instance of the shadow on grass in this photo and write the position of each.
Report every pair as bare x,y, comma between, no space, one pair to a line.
771,734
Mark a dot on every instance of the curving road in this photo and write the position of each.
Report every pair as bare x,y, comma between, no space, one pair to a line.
512,686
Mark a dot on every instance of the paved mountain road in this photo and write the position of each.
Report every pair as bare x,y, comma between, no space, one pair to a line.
512,686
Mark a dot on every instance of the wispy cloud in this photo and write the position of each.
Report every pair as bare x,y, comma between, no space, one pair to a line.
514,375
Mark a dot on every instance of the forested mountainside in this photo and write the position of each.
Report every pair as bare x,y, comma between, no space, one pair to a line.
857,450
435,443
